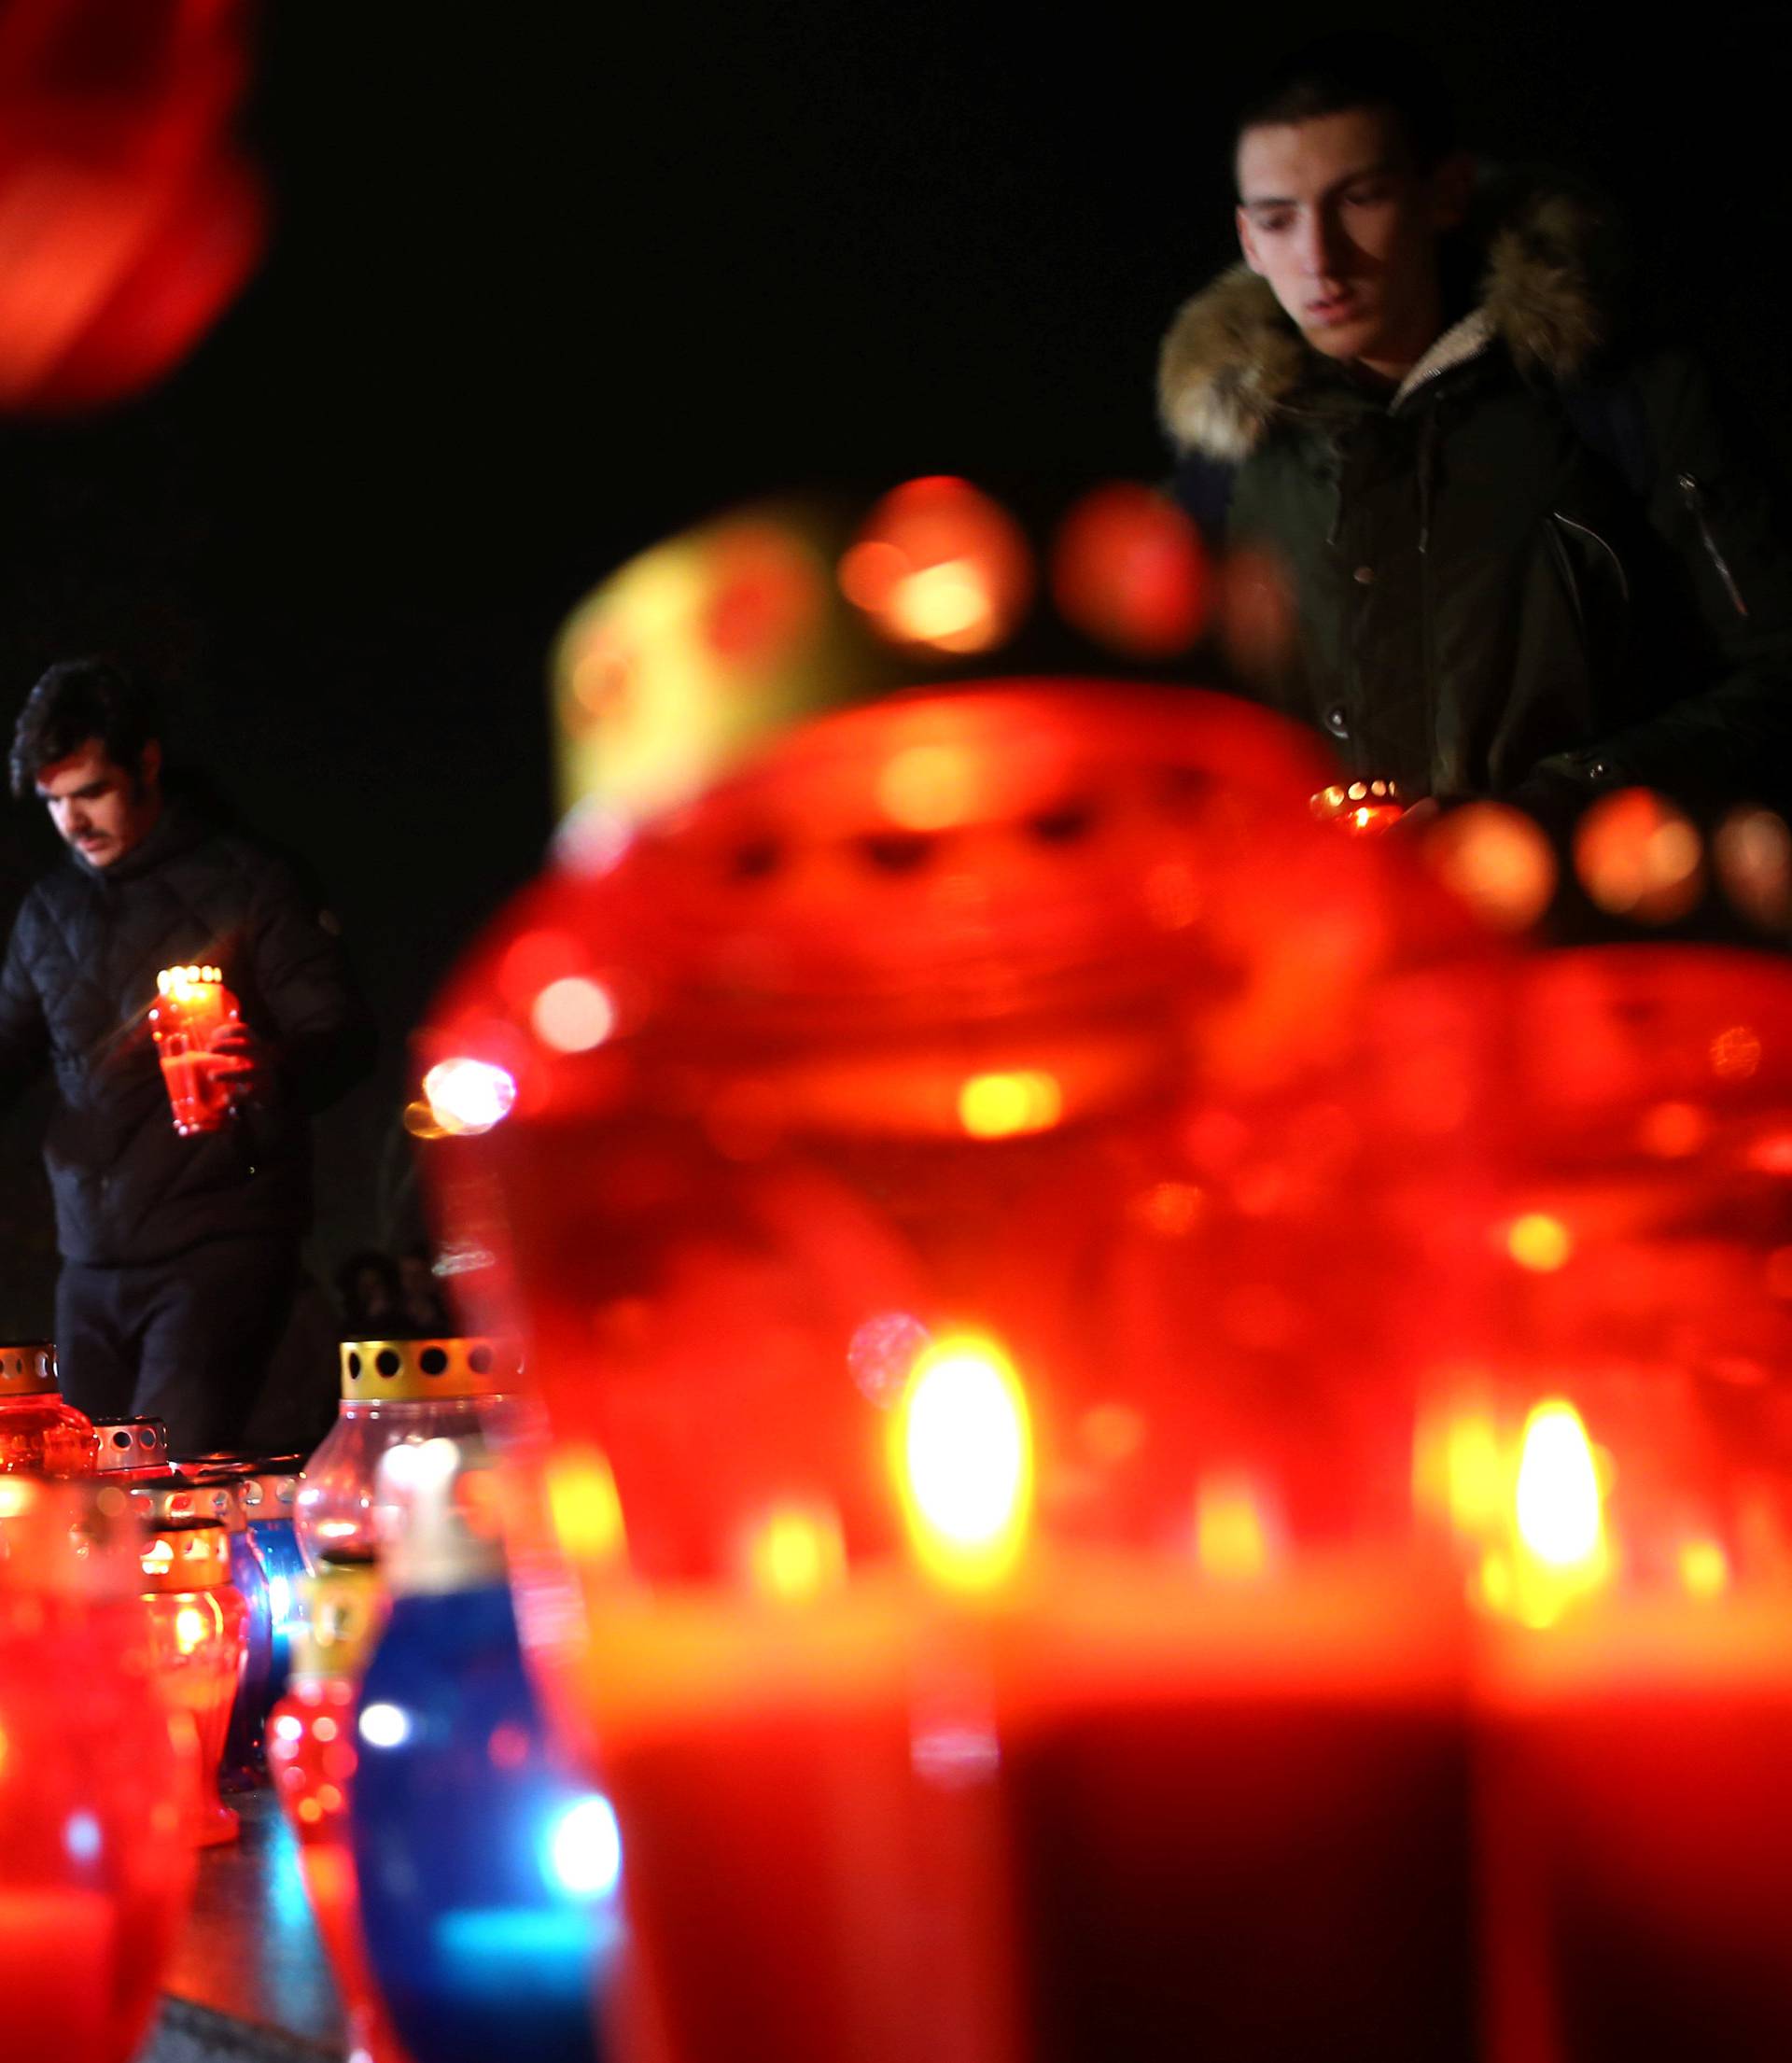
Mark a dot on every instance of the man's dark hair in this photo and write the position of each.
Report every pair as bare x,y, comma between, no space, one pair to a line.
78,700
1358,68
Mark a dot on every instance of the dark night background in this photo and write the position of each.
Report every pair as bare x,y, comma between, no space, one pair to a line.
548,282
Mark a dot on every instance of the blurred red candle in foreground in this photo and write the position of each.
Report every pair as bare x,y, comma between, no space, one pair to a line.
944,1262
1635,1679
311,1759
94,1871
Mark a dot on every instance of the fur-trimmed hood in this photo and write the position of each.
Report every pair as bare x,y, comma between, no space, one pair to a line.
1232,364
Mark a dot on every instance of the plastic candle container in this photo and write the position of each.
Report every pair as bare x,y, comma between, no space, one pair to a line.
193,1006
40,1432
220,1484
197,1621
95,1866
1635,1677
489,1873
311,1761
395,1392
979,1190
270,1495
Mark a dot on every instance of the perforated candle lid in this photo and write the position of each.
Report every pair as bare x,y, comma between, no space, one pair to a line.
128,1444
266,1483
392,1370
182,1501
180,982
28,1368
185,1557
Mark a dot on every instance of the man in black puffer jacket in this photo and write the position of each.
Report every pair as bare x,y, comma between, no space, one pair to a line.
1523,553
180,1254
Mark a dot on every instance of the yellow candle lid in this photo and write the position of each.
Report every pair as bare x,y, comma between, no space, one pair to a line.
341,1611
376,1370
28,1368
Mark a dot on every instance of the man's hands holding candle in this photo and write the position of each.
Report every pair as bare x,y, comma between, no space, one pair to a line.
241,1061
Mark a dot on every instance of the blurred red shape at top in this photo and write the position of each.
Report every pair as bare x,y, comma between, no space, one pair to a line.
1130,571
128,220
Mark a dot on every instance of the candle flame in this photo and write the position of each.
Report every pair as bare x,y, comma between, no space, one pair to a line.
964,1461
1232,1536
1005,1105
584,1505
1704,1567
1540,1242
1560,1548
798,1553
1558,1488
192,1628
1474,1473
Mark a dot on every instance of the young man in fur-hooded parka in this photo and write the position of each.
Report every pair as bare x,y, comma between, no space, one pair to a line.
1523,557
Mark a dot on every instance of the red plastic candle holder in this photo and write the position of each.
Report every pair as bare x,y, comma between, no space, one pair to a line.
192,1008
197,1621
94,1868
976,1189
40,1432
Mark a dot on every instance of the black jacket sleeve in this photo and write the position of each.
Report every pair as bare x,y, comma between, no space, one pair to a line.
1729,736
322,1040
24,1038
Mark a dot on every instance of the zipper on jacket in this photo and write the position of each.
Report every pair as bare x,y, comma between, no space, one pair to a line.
1693,496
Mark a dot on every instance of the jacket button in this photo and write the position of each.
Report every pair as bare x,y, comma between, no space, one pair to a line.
1363,576
1336,723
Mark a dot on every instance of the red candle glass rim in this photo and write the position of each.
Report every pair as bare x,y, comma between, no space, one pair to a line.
1201,794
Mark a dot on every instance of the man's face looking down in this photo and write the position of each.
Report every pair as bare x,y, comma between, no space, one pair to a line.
99,807
1335,216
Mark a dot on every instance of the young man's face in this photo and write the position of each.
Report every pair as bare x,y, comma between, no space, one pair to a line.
101,808
1334,215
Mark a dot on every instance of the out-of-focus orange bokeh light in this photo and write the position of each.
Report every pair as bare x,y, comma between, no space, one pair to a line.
1638,856
940,567
1495,860
1128,570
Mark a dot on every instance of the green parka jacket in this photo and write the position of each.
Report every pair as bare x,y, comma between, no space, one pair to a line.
1539,568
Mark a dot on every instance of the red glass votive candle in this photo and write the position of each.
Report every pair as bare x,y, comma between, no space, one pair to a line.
192,1007
197,1625
40,1433
1058,1018
94,1873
